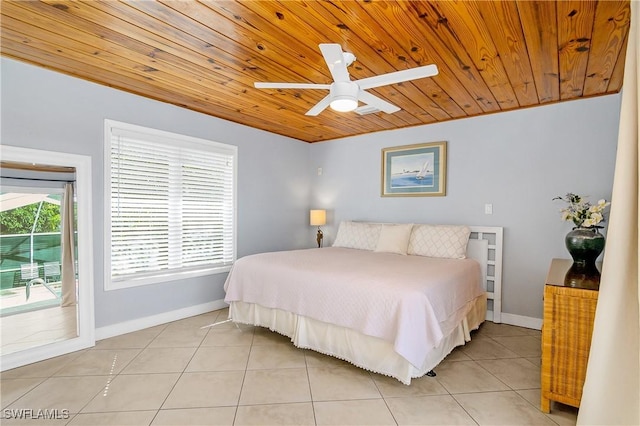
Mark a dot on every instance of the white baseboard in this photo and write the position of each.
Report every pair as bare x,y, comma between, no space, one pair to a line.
522,321
152,321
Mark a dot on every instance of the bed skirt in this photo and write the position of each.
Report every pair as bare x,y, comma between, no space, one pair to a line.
369,353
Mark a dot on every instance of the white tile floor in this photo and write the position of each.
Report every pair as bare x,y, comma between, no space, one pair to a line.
178,374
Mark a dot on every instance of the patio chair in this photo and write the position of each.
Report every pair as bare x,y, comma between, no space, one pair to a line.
51,269
29,271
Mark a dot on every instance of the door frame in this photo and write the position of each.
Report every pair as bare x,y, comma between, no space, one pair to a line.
85,312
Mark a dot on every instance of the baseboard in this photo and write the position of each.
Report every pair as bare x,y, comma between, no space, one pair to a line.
522,321
163,318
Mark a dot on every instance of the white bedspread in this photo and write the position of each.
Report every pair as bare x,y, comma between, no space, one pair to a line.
410,301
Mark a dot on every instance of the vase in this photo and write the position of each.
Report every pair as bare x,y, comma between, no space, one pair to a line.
585,245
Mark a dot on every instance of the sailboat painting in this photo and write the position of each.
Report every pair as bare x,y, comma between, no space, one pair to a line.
414,170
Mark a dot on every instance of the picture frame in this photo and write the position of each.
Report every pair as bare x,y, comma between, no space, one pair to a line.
418,170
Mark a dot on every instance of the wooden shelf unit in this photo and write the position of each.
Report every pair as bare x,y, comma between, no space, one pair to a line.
567,327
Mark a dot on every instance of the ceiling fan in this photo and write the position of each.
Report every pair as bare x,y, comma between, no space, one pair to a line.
344,94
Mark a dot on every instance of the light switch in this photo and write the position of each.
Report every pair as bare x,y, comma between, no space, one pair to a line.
319,171
488,209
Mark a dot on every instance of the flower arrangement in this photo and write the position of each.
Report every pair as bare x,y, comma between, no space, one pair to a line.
581,212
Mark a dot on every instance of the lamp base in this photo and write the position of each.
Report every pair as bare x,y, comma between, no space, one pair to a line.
319,238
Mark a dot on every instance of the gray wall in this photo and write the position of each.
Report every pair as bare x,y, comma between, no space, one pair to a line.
517,161
46,110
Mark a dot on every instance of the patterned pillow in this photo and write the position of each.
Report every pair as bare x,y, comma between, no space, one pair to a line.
394,238
448,241
358,235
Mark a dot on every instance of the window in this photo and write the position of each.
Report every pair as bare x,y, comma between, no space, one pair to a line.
170,202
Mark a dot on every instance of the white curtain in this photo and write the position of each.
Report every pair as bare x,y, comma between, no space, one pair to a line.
68,272
611,394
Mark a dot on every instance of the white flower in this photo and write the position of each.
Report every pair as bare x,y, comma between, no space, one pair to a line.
581,212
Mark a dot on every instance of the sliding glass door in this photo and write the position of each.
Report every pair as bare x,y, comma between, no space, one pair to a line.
46,255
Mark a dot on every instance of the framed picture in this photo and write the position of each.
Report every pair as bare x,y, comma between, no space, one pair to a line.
414,170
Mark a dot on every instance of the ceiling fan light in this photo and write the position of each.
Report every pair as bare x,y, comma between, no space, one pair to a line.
344,96
343,104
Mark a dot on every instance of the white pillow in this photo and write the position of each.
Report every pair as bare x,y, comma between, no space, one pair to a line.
448,241
357,235
394,238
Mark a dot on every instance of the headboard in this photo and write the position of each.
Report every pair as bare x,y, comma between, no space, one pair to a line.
485,246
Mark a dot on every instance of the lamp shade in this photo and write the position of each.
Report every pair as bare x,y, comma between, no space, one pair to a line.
317,217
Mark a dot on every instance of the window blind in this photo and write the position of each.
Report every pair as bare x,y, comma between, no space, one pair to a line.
172,204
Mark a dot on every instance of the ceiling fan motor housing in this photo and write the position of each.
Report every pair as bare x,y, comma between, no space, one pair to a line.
344,96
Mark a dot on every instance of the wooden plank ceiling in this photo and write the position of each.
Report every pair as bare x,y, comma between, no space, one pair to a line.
205,55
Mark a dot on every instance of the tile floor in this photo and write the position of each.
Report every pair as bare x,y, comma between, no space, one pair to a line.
179,374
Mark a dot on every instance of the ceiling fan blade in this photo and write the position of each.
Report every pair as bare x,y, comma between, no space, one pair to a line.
398,77
377,102
291,86
334,58
320,106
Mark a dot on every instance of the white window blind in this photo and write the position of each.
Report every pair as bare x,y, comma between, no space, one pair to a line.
172,204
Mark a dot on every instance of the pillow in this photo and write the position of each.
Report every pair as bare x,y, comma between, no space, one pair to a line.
394,238
448,241
357,235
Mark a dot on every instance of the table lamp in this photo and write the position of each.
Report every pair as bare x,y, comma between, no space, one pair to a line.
318,218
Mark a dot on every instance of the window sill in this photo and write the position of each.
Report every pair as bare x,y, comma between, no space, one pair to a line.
130,282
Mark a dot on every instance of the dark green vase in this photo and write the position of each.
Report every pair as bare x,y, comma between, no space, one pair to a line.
585,245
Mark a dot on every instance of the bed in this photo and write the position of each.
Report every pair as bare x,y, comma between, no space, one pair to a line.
394,299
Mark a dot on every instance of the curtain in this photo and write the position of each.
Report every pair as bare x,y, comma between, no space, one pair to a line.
611,394
68,272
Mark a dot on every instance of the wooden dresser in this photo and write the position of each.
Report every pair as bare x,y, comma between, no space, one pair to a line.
570,297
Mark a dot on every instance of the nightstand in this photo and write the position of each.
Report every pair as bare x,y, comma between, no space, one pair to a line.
570,297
